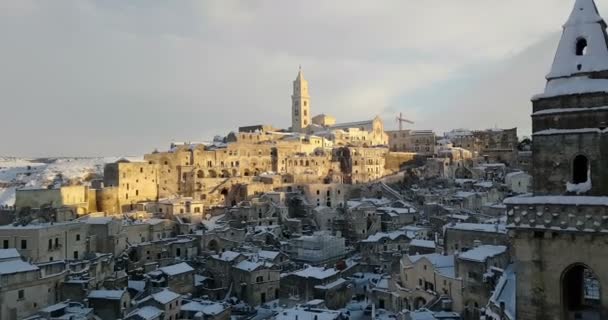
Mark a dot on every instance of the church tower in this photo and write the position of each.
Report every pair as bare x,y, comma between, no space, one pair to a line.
560,233
300,104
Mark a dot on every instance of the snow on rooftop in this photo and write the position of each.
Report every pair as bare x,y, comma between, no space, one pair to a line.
382,235
316,272
106,294
16,266
332,285
165,296
559,200
482,253
423,243
247,265
206,307
307,314
9,254
483,227
226,256
176,269
444,265
505,291
268,255
550,132
146,313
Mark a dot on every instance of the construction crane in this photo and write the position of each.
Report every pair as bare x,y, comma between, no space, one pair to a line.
401,120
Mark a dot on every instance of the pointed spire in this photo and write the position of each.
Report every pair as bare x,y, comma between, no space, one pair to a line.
584,12
583,49
300,76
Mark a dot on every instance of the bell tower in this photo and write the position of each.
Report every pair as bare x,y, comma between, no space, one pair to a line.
300,104
560,233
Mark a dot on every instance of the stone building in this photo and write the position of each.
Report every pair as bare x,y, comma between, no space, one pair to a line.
318,249
177,277
479,269
559,233
426,278
48,241
27,287
384,249
126,183
79,198
418,141
256,282
109,304
166,300
460,237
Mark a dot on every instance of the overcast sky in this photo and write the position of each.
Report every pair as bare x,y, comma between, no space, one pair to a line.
122,77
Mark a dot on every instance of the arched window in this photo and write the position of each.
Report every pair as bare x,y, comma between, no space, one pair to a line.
580,169
581,293
581,46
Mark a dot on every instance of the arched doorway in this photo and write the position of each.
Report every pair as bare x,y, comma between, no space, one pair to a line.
419,303
581,293
200,174
213,246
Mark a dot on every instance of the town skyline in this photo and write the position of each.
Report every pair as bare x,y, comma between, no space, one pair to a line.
148,75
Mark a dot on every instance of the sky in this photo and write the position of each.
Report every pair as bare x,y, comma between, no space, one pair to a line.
121,77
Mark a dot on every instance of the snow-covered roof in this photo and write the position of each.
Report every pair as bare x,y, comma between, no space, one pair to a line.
165,296
227,256
332,285
511,175
483,227
9,254
16,266
106,294
247,265
444,265
559,200
423,243
138,285
464,194
176,269
482,253
505,291
307,314
206,307
385,235
268,255
316,272
146,313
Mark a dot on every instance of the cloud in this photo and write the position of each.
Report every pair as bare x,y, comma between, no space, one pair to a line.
111,78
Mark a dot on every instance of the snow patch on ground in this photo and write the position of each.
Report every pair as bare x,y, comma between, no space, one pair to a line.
18,173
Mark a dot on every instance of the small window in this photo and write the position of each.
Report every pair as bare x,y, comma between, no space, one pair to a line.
24,244
21,295
5,244
581,47
78,237
580,169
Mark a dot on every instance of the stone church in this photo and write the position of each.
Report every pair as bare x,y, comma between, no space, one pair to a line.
559,234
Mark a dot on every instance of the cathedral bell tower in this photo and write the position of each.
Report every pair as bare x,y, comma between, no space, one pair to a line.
560,233
300,104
